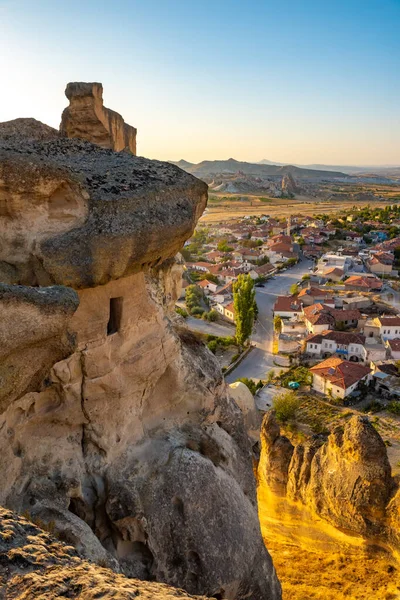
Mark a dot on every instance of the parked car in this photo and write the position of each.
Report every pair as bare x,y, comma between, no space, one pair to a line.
260,285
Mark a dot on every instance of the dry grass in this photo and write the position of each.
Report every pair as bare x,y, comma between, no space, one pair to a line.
277,207
306,575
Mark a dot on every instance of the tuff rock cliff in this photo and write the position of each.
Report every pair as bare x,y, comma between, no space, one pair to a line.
345,480
116,426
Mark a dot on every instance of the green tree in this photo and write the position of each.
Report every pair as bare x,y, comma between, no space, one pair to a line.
211,277
278,324
294,289
243,302
286,405
223,246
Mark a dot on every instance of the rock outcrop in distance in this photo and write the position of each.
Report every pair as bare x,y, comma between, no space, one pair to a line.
116,426
345,480
88,119
34,565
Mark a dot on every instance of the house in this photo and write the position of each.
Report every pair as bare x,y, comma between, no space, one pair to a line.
350,346
262,271
222,294
208,287
293,326
334,274
338,377
227,275
227,310
331,260
356,302
319,317
394,348
363,284
311,295
381,262
389,327
287,307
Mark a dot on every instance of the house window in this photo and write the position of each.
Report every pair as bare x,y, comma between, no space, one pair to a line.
114,319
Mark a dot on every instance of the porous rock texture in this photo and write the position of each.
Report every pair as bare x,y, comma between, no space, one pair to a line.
33,564
74,214
346,480
86,118
128,443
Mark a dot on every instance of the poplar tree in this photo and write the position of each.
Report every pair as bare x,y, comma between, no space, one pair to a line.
244,302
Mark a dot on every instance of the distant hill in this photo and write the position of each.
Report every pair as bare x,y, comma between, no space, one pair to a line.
213,167
387,170
183,164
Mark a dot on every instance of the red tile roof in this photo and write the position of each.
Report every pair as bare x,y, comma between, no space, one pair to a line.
340,337
314,292
287,304
340,372
371,283
389,321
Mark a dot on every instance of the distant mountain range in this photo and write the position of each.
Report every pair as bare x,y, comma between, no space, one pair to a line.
208,168
387,170
266,168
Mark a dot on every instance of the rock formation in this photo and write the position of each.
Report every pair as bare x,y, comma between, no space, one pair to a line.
86,118
116,425
345,480
33,564
289,186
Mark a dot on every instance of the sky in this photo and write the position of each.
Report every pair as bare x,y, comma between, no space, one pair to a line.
297,81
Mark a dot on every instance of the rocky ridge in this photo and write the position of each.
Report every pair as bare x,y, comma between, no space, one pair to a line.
121,432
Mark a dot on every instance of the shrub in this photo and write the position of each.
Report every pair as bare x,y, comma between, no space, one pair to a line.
196,311
373,407
213,345
394,407
235,357
212,315
286,405
181,311
249,383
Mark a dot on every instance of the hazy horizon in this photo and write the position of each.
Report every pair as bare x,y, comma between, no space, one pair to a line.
303,83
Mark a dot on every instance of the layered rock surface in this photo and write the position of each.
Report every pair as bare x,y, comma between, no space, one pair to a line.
88,119
33,564
127,440
345,480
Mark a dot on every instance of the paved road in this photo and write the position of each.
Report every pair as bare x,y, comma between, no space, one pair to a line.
261,360
210,328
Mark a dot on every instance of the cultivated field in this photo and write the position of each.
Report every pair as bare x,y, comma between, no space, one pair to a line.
224,207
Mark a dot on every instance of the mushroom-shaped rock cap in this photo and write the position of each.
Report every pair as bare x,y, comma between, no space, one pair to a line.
72,213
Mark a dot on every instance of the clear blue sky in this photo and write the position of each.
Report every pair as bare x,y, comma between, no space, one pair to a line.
291,81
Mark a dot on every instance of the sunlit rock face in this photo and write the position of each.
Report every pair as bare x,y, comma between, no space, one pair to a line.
340,488
88,119
123,435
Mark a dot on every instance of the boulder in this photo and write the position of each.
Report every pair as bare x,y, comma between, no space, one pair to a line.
74,214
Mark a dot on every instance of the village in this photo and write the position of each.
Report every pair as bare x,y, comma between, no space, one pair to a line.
328,302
